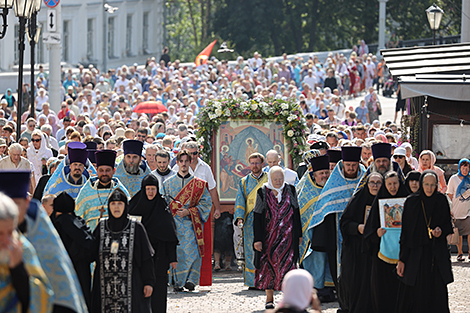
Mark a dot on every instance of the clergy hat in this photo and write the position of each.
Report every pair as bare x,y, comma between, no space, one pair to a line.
15,184
320,163
382,150
320,145
76,145
79,155
105,157
351,154
91,145
132,147
335,155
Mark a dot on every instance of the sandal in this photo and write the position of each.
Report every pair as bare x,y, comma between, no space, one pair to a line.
228,268
269,305
460,258
217,266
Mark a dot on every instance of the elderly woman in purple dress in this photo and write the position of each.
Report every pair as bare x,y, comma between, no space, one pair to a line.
277,233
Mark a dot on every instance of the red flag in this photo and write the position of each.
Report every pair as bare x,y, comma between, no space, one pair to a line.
202,57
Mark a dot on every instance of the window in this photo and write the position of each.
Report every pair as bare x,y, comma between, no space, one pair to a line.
111,22
145,33
66,41
129,35
15,45
89,38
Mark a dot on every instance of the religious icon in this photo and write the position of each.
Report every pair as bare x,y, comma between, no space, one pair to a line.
391,211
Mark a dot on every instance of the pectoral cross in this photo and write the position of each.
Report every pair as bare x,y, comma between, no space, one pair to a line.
115,258
115,307
430,233
102,210
115,284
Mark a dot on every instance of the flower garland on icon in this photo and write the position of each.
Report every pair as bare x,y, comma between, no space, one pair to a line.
286,112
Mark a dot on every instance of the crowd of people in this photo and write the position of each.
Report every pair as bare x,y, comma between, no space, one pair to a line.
96,183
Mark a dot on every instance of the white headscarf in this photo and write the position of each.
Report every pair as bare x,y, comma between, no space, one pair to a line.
269,184
298,289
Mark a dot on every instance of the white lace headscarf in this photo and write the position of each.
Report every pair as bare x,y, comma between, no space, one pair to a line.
270,185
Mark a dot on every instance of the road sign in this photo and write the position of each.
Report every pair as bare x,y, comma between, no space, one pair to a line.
51,3
53,38
51,20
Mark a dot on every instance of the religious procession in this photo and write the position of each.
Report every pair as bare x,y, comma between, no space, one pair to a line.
318,182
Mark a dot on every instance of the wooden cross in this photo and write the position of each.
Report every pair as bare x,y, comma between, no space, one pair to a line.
102,210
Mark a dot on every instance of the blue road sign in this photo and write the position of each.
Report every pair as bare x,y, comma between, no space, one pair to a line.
51,3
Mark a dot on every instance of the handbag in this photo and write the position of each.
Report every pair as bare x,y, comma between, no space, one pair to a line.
453,239
379,109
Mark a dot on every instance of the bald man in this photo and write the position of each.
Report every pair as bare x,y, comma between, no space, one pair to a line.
273,158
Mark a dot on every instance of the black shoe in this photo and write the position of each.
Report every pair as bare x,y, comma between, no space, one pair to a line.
190,286
178,289
253,288
269,305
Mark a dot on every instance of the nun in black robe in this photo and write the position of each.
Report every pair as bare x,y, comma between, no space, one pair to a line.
124,266
161,229
424,258
411,176
383,278
77,238
354,280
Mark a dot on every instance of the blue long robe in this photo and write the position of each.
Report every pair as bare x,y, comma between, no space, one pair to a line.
54,259
332,200
248,185
41,294
131,182
187,252
61,183
91,200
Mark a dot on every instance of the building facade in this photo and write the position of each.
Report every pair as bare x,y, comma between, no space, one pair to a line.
134,32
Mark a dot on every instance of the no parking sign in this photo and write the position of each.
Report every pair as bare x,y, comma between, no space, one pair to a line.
51,3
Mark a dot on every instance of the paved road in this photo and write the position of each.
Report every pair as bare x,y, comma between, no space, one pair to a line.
227,294
388,106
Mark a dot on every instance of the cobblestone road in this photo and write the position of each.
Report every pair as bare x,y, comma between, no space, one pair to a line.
228,294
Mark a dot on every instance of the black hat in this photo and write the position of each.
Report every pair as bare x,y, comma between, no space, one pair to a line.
320,145
105,157
132,147
91,145
320,163
351,154
382,150
117,195
335,155
79,155
64,203
15,184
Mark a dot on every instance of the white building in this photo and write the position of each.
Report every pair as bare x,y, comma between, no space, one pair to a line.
134,31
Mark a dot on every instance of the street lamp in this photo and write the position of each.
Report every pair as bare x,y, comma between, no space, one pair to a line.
33,36
24,9
5,5
434,14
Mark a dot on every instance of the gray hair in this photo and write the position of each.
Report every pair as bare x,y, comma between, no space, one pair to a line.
16,146
191,145
8,209
46,128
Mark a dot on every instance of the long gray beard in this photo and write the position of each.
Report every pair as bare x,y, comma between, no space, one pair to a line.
132,169
374,168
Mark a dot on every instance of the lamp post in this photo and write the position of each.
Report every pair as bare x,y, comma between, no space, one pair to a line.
23,10
33,36
5,5
434,14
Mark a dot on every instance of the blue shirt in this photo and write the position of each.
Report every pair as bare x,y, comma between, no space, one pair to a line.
362,114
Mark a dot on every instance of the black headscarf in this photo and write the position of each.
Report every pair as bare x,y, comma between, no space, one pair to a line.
412,175
64,203
353,214
118,224
373,222
156,217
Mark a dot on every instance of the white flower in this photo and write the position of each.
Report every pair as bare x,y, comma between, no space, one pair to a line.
284,106
243,105
227,113
254,106
218,112
285,112
290,133
212,116
291,118
263,104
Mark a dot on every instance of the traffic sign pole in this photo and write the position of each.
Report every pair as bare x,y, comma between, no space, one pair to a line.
55,56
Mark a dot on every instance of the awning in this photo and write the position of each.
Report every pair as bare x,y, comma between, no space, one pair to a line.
440,87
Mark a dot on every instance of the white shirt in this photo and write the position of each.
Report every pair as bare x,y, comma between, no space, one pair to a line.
311,81
460,206
202,171
7,164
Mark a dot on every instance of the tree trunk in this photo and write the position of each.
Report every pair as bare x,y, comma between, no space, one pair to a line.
193,22
313,24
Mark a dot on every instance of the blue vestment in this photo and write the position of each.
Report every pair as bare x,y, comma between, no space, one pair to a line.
333,200
61,183
92,203
54,259
187,252
130,181
244,205
41,295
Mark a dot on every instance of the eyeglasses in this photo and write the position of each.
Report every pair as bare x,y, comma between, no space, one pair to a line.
36,140
398,157
371,183
194,153
141,136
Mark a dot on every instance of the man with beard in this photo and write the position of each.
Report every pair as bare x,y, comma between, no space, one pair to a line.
132,169
382,153
71,178
92,200
190,204
323,230
163,171
244,205
318,174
